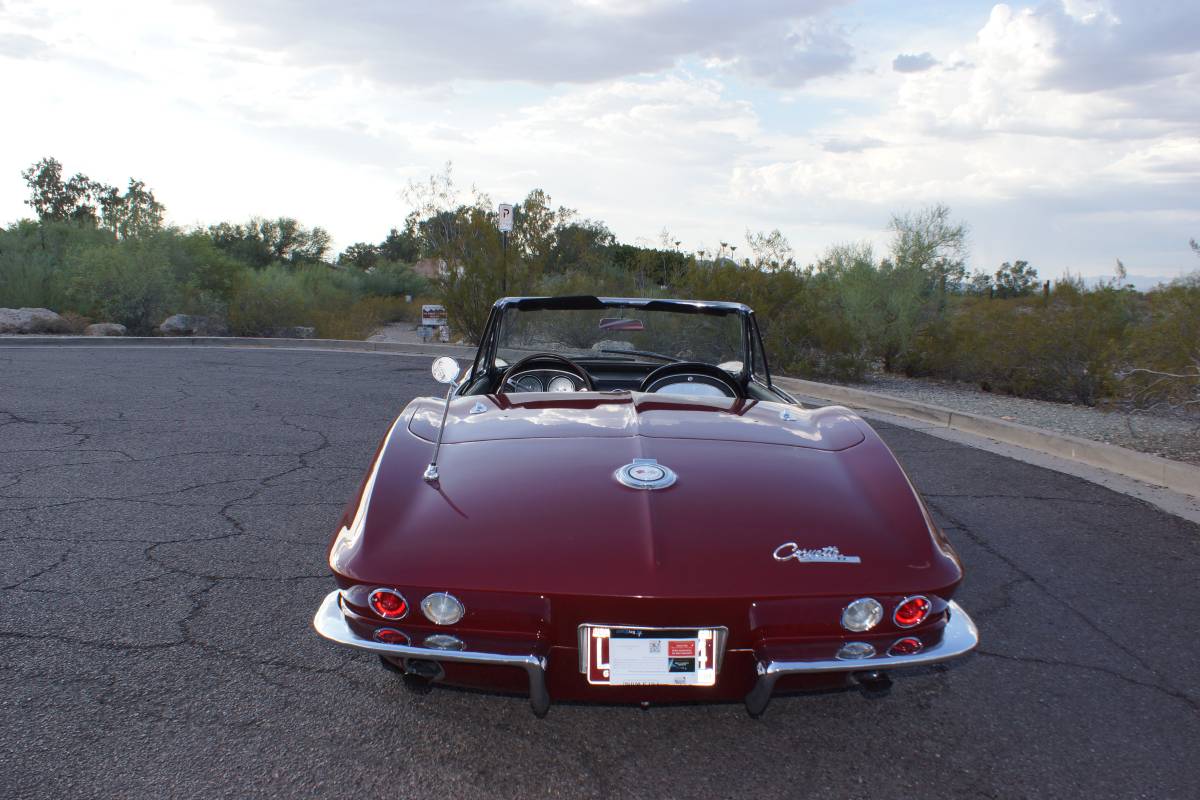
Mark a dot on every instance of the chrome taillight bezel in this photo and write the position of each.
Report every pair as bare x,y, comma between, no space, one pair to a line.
383,614
909,599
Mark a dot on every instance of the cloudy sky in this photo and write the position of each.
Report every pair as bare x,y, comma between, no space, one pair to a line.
1065,133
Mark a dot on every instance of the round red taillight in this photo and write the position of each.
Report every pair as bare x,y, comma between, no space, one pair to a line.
388,603
390,636
907,646
912,611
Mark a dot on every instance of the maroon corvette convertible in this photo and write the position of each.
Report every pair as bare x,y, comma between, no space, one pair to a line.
614,503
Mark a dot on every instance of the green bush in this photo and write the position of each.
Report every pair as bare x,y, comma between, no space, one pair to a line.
360,319
33,259
128,282
1162,362
801,315
267,300
1063,347
333,301
392,279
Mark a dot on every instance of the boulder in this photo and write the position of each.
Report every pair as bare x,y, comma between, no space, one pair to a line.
104,329
177,325
31,320
188,325
297,332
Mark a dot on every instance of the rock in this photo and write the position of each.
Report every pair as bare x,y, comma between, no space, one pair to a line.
178,325
297,332
187,325
104,329
31,320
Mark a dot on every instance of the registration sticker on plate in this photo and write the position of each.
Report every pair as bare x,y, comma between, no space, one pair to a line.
651,657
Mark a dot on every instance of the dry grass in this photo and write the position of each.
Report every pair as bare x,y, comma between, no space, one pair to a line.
361,319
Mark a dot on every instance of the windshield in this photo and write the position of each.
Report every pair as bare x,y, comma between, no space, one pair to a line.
625,334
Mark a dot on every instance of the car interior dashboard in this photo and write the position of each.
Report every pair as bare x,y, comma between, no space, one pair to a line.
604,375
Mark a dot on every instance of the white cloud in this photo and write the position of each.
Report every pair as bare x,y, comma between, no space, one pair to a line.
20,45
1016,123
784,42
1040,125
852,145
907,62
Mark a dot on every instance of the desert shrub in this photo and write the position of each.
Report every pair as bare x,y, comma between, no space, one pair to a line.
800,313
360,319
601,280
392,279
127,281
267,300
1162,361
207,276
1065,347
33,261
74,323
331,300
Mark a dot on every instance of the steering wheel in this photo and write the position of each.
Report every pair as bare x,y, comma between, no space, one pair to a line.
545,361
710,375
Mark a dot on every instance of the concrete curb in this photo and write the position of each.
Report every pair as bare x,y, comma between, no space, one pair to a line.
1154,470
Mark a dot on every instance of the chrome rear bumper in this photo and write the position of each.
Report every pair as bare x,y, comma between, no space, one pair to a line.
959,637
331,623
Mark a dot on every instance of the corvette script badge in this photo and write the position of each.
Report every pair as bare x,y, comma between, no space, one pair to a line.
791,551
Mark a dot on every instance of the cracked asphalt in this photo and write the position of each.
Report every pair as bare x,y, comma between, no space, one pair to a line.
164,516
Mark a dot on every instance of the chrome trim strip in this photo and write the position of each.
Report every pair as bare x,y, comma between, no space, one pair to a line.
959,637
331,624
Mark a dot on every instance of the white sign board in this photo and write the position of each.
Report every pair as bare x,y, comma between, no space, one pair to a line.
433,316
506,217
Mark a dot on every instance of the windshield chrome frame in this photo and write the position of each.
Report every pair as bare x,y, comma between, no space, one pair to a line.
485,359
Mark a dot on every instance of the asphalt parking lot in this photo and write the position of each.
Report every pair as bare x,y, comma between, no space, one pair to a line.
164,515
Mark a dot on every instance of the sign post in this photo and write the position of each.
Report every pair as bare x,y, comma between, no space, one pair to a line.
504,221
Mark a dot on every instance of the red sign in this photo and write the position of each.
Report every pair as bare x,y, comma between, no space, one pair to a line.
676,649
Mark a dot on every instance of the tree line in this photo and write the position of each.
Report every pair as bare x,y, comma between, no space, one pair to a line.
914,307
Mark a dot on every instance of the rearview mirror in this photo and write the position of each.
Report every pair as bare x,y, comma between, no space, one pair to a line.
445,370
621,324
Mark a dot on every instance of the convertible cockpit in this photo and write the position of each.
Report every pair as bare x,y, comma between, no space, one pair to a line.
592,344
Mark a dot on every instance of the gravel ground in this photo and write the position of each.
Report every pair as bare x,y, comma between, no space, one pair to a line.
404,332
1159,433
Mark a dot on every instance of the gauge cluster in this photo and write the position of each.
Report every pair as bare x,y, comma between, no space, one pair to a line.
545,380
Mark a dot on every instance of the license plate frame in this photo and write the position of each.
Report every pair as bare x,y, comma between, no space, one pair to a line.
630,655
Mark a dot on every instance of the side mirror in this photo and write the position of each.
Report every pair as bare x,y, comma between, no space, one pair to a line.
445,370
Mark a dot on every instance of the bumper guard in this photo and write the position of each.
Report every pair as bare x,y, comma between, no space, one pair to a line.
331,624
959,637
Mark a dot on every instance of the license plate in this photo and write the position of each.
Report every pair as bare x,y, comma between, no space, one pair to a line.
651,656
